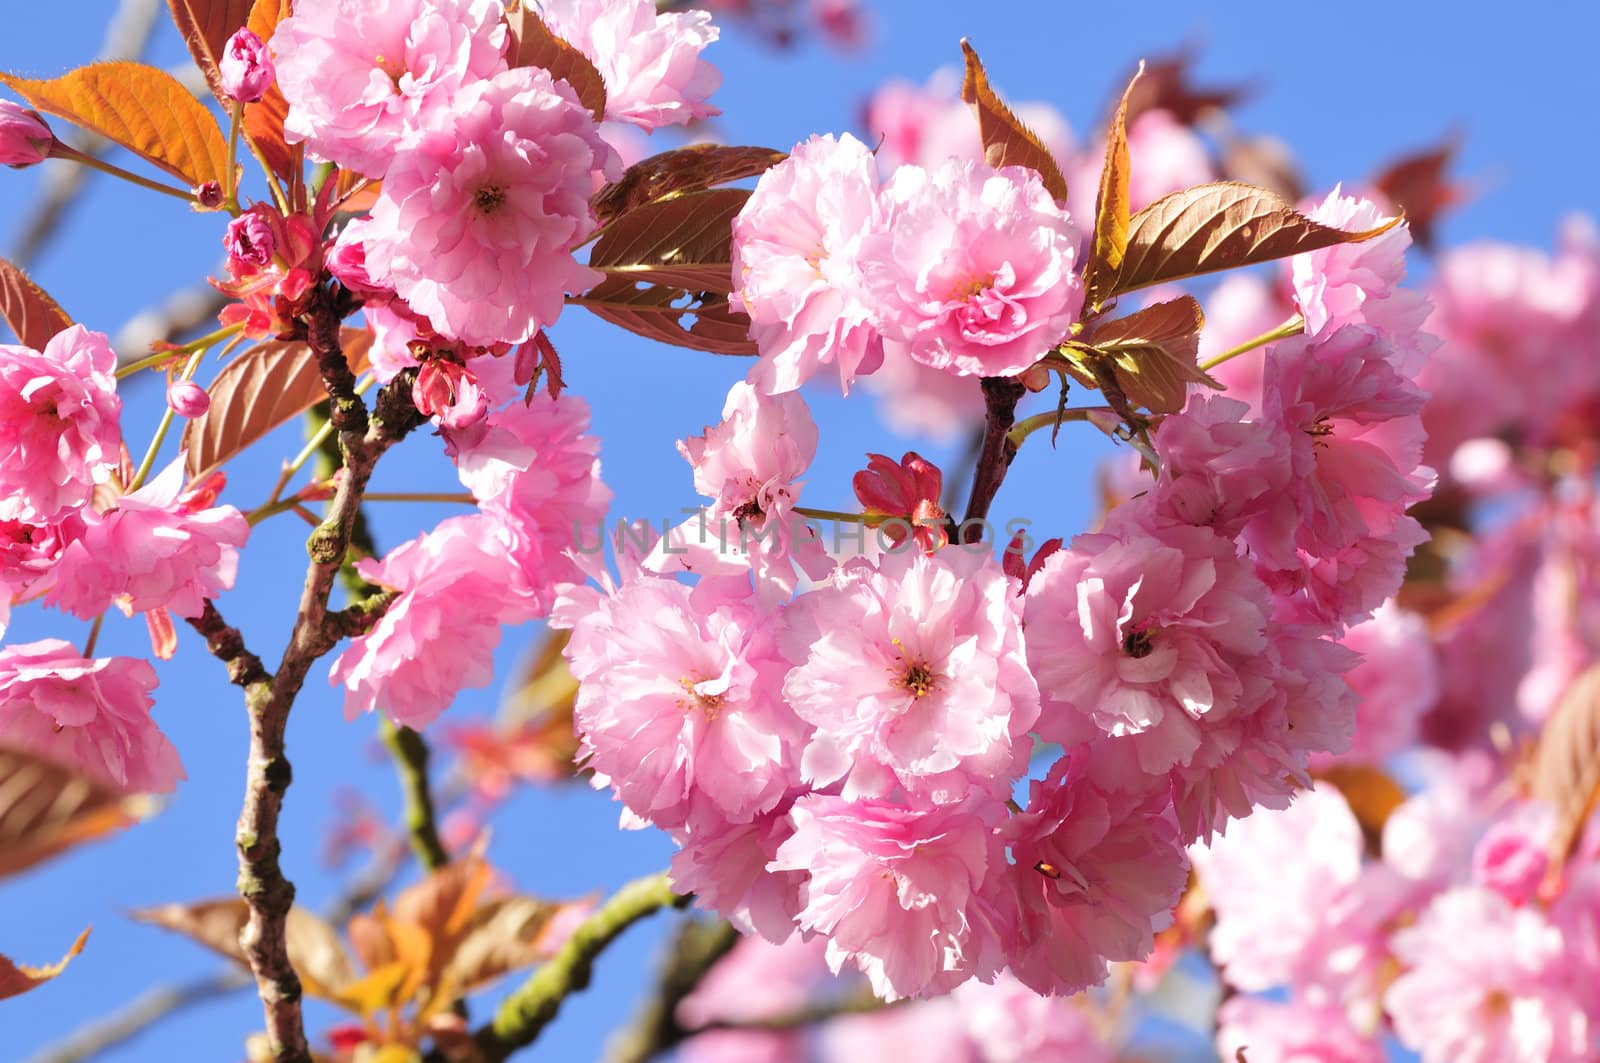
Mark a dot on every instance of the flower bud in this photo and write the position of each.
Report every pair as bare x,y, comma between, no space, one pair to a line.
187,398
24,138
245,67
250,243
449,391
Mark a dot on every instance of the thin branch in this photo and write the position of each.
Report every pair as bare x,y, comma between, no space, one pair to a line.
695,949
524,1015
140,1014
1000,396
411,760
857,1004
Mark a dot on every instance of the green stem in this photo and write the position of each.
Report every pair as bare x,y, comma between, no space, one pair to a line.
160,358
1293,327
524,1015
279,196
1029,425
411,760
149,461
869,519
230,180
420,496
63,151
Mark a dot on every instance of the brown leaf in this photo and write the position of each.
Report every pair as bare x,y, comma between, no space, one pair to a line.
263,120
206,26
1419,185
31,313
658,312
1372,795
45,808
1220,226
16,979
259,390
147,111
1167,86
1566,767
1111,206
1153,353
314,946
1006,141
502,936
1267,162
534,44
683,242
681,170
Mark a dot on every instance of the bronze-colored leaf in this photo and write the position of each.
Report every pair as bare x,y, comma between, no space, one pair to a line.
1566,767
45,808
1220,226
206,26
534,44
681,170
701,321
1264,161
314,946
1418,184
1167,86
1372,795
683,242
1153,353
16,979
31,313
263,120
259,390
1006,141
1111,206
147,111
503,936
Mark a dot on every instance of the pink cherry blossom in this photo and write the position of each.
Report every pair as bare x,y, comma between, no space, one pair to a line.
907,494
458,585
1096,874
928,1031
1217,469
155,550
24,137
1158,636
1397,682
476,223
650,62
750,464
890,888
923,125
1009,1023
534,467
727,867
1487,983
1242,307
89,715
362,77
27,554
912,672
449,393
59,430
245,67
187,399
758,980
796,248
1291,1031
972,270
679,705
1512,856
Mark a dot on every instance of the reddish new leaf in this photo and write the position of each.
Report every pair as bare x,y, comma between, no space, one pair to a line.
1166,86
1566,767
259,390
16,979
1264,161
681,170
1006,141
684,242
31,313
699,321
1419,185
206,26
147,111
1111,206
1153,353
45,808
533,44
1219,226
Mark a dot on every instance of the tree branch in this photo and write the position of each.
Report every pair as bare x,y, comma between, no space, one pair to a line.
524,1015
411,760
695,949
1000,397
140,1014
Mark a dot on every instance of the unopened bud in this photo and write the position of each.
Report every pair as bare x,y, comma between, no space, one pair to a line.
24,138
187,399
245,67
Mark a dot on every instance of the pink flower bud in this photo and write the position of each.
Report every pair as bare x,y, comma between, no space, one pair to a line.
908,493
250,243
208,195
245,67
24,138
449,391
187,398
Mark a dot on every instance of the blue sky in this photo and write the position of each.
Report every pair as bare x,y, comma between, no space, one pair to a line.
1348,87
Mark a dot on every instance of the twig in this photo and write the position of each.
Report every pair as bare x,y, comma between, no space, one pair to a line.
411,760
140,1014
178,315
1000,397
695,949
858,1004
524,1015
